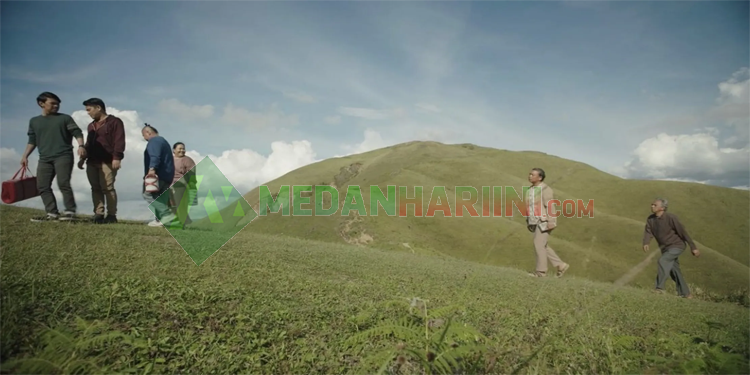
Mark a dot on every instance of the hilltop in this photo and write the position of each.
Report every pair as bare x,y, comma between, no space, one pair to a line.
127,298
606,247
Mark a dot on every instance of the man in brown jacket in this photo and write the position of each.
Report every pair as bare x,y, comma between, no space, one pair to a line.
541,224
105,147
671,236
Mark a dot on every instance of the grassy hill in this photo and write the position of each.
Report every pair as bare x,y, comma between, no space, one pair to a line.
605,248
126,297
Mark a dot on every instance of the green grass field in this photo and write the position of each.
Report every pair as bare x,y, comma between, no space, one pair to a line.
604,248
127,298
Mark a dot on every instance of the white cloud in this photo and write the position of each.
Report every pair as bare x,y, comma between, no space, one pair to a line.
736,89
372,114
373,141
366,113
300,96
272,117
247,169
332,120
176,108
694,157
79,74
734,107
424,107
718,155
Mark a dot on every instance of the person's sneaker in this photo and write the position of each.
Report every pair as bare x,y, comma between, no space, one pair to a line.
67,216
98,219
111,219
45,218
155,223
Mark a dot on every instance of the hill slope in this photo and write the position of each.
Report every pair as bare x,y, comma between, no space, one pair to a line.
274,304
606,247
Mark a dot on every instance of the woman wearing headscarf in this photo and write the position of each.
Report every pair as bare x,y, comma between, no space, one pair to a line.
183,184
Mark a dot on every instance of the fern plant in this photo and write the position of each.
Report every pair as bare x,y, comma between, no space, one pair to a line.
67,351
421,340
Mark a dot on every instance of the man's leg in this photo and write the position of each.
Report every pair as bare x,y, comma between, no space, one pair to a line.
93,172
540,246
108,177
665,263
160,206
64,171
45,173
681,285
552,255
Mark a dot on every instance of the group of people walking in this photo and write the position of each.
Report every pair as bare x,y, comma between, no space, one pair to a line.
102,153
665,227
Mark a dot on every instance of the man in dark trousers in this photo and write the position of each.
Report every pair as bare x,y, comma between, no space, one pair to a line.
105,149
158,161
52,133
671,236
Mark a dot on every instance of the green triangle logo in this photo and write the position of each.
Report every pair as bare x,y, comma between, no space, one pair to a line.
238,211
214,215
199,226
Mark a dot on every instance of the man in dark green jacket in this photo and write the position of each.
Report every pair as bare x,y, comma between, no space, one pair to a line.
52,133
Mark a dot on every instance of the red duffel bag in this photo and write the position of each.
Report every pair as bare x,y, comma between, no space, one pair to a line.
16,190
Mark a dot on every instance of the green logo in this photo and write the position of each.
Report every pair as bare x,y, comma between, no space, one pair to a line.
202,211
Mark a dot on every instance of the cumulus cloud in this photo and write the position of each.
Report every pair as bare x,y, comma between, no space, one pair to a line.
694,157
736,89
181,110
247,169
373,141
272,117
734,107
717,155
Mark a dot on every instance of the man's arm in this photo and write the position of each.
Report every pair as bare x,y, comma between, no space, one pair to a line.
118,140
153,155
32,137
30,146
681,231
547,195
647,233
74,129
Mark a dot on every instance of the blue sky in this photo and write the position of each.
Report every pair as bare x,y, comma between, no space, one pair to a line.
638,89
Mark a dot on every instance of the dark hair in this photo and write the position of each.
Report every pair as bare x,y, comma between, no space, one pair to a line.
93,102
153,129
540,171
177,144
42,98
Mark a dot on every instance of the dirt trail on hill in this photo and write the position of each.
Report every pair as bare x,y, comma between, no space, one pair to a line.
633,272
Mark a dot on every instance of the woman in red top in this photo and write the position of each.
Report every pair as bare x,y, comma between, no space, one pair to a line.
183,182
